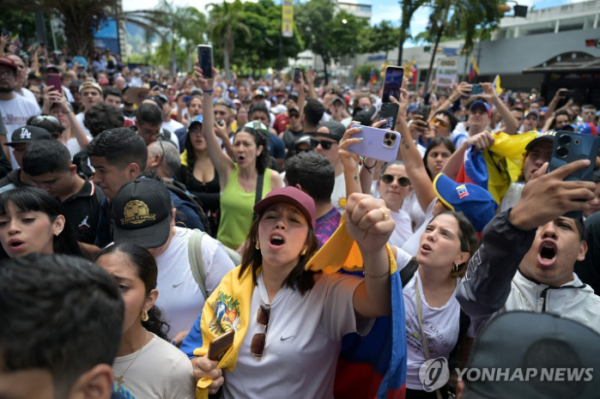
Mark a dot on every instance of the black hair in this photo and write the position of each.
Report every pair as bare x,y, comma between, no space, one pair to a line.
436,142
264,159
191,157
299,278
103,117
518,109
588,106
258,107
54,128
46,157
387,165
112,91
150,114
467,237
147,270
451,118
313,111
32,199
58,313
120,147
313,172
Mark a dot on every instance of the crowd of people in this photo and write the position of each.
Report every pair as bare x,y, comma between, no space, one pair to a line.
143,215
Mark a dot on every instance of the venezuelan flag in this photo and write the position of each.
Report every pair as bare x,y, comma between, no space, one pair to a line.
496,167
373,78
415,73
473,70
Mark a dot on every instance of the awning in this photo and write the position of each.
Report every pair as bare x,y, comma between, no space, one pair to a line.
568,62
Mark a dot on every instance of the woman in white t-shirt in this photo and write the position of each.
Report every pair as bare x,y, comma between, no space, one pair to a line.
430,302
74,136
307,313
147,365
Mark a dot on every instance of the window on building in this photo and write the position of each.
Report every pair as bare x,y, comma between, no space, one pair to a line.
537,28
589,22
571,24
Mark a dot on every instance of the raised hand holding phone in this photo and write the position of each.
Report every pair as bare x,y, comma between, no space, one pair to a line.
205,60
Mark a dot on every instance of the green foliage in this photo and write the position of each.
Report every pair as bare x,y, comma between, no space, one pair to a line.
381,37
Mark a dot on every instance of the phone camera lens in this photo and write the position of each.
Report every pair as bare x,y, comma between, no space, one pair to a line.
576,142
564,140
562,152
387,136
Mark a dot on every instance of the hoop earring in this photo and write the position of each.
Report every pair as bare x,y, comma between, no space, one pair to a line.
303,252
455,268
145,316
257,246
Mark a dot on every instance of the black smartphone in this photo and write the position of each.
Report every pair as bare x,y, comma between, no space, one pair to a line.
570,147
424,111
392,83
5,32
389,112
205,60
153,84
297,75
476,89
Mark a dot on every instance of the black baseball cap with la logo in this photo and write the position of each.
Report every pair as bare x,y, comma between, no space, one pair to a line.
27,134
141,213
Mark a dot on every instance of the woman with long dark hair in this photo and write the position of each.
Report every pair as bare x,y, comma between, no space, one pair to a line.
289,319
238,180
31,221
147,364
198,173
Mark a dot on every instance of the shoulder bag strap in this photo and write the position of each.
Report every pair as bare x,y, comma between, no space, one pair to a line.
259,187
196,261
423,339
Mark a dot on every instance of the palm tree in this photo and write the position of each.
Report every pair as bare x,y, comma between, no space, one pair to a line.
82,18
408,7
464,18
224,19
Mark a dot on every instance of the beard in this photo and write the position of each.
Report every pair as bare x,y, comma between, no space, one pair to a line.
6,89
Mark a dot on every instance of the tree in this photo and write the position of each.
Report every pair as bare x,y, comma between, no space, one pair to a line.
326,33
381,37
224,18
82,18
461,17
408,7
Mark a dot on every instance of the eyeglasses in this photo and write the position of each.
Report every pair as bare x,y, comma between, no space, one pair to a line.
440,122
326,145
257,347
7,74
389,179
41,118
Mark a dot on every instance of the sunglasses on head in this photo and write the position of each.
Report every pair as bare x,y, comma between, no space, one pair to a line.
257,346
440,122
326,145
389,179
41,118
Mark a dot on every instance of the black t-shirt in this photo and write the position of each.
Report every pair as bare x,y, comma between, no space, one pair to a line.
82,211
290,137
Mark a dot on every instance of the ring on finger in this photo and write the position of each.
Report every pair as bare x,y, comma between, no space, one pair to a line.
384,214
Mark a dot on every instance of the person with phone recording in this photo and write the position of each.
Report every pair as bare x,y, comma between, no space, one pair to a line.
291,313
147,364
238,180
537,247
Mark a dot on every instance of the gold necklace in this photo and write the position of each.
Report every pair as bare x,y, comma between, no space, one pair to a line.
120,379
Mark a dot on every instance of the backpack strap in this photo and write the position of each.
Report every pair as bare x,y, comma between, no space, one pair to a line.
407,273
259,187
196,261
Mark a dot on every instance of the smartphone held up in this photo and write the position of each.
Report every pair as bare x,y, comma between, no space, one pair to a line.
205,60
392,83
376,143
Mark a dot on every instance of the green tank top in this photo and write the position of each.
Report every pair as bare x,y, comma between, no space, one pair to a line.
237,210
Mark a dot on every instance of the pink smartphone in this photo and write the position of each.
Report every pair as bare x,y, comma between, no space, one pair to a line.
54,80
377,143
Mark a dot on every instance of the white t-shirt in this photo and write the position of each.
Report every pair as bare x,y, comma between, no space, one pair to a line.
440,325
28,94
171,126
179,297
412,207
161,371
412,244
403,229
338,196
80,116
136,81
15,113
303,341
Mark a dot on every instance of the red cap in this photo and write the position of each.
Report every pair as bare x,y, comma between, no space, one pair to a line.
103,81
6,60
292,196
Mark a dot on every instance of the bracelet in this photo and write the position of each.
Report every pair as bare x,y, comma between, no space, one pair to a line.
387,273
208,91
369,168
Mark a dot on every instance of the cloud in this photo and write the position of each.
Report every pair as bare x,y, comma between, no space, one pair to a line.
130,5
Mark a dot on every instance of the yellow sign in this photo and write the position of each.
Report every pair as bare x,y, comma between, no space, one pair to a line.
287,18
137,212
